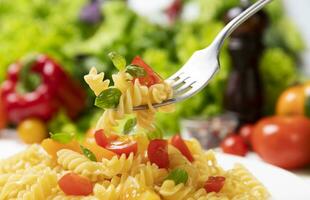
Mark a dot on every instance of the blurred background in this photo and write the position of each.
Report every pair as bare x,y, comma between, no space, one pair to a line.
262,60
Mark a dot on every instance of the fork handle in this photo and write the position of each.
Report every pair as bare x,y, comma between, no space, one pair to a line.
236,22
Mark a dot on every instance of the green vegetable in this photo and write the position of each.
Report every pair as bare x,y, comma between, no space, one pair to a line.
62,137
135,71
118,61
178,176
129,125
155,134
90,155
109,98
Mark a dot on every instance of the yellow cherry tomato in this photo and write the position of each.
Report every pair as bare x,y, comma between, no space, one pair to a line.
32,131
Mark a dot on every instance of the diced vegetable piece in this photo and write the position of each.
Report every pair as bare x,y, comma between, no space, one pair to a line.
62,137
214,183
73,184
151,77
101,138
123,147
129,125
118,61
135,71
158,153
178,176
179,143
51,147
32,131
99,151
108,98
88,154
157,133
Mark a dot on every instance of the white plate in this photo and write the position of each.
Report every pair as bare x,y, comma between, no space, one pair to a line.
282,185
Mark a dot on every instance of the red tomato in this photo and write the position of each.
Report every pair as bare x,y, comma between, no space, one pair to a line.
283,141
102,140
179,143
158,153
73,184
123,147
151,78
214,183
246,132
234,144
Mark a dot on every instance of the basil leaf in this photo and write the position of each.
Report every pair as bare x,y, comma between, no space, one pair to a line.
178,176
157,133
118,61
90,155
307,105
135,71
129,125
109,98
62,137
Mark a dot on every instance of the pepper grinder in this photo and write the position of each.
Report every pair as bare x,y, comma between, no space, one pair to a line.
244,91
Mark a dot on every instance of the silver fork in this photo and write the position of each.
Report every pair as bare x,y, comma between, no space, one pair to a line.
203,64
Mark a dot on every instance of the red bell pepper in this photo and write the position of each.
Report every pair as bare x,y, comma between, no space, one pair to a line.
55,90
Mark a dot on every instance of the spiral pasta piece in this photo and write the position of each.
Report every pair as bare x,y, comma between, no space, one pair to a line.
95,81
79,164
150,175
170,191
111,192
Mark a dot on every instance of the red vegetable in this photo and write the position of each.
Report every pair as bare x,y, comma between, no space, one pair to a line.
214,183
283,141
43,98
151,77
246,132
73,184
174,10
123,147
117,146
179,143
158,153
234,144
3,118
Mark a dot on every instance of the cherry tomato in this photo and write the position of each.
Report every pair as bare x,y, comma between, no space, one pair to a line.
214,183
234,144
283,141
73,184
151,78
123,147
246,132
158,153
179,143
101,139
32,131
99,151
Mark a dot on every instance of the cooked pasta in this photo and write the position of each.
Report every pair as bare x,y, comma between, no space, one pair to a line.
140,165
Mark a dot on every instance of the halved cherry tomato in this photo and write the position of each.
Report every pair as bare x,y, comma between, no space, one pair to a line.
102,140
123,147
234,144
151,78
73,184
179,143
246,132
158,153
214,183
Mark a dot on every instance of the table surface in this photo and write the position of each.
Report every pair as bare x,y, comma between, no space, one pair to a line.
10,144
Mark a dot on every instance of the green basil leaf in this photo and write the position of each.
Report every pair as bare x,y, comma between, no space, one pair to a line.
62,137
129,125
109,98
90,155
307,105
118,61
178,176
157,133
135,71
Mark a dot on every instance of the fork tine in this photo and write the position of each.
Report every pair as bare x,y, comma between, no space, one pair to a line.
176,75
179,82
185,88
